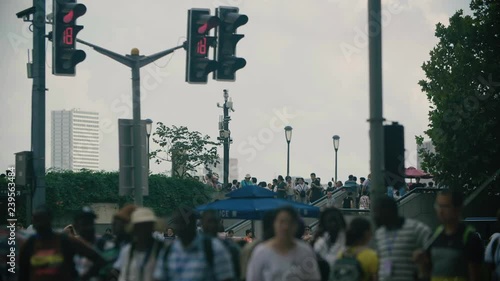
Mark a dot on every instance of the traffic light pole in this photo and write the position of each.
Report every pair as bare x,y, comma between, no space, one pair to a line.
135,62
38,105
376,110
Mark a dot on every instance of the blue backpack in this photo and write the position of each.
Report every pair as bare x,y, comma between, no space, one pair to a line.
347,268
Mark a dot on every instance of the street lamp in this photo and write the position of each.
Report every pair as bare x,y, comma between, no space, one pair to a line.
149,127
336,140
288,137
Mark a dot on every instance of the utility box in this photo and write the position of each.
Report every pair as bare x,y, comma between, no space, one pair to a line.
24,168
126,144
394,155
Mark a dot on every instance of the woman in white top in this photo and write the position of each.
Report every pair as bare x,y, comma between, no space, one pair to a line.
329,239
283,257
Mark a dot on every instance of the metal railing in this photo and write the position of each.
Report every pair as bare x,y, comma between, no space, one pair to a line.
408,196
319,203
336,194
345,212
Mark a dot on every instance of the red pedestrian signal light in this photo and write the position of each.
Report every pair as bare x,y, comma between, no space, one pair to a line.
64,55
198,65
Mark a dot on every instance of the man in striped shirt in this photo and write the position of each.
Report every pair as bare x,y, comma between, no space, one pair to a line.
193,257
397,238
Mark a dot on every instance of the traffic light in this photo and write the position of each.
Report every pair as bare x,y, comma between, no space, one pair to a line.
64,55
394,155
225,51
198,65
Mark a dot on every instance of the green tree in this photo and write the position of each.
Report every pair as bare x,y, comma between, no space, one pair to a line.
462,85
185,149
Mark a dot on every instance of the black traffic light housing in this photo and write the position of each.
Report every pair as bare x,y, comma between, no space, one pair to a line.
64,55
394,155
198,65
225,51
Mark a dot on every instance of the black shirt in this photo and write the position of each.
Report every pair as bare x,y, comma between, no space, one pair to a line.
450,254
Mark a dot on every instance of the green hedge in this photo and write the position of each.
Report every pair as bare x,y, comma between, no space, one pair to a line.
69,191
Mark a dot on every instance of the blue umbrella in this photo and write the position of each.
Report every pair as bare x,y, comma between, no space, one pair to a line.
252,191
255,208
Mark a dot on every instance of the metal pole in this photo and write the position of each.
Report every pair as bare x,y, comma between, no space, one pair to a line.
335,165
288,159
148,156
38,104
135,62
226,144
136,104
376,110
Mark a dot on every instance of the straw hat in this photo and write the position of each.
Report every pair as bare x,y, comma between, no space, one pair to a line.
141,215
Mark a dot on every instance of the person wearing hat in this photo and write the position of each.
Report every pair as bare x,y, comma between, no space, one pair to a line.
139,257
247,181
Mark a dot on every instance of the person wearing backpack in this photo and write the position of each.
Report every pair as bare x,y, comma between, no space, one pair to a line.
301,190
454,252
210,224
139,257
193,256
357,262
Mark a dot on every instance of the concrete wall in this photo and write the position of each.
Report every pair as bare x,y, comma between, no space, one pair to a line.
104,212
420,206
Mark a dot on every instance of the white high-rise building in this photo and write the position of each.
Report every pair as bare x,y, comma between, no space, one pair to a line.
75,140
426,145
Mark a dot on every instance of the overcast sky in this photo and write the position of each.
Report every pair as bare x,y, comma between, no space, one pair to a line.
307,67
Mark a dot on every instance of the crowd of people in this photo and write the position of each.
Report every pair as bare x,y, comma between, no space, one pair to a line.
308,192
195,247
299,189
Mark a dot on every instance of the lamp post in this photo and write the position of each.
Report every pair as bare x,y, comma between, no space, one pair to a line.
288,137
336,140
149,127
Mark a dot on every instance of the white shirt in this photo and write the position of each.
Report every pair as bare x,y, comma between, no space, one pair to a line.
300,187
136,264
298,264
327,251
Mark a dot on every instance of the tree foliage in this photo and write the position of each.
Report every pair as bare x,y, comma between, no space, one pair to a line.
185,149
69,191
463,84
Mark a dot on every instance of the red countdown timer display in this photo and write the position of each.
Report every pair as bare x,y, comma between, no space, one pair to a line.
201,47
68,36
